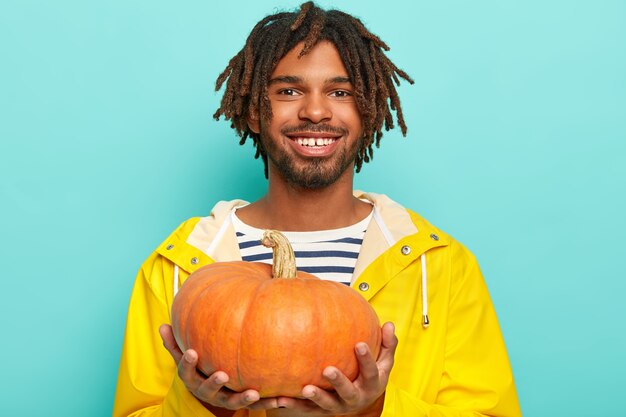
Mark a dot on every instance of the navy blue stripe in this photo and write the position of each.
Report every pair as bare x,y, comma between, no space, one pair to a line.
347,240
326,254
306,254
252,243
330,269
240,234
257,257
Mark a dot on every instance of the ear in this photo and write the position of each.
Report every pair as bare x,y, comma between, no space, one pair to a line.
253,123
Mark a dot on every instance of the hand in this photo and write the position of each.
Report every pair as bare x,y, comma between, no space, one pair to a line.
210,390
364,395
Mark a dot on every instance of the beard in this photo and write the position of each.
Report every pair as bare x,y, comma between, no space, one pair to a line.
309,173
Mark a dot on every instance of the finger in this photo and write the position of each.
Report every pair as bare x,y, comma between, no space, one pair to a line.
347,391
389,338
187,371
167,335
387,352
368,368
264,404
323,399
208,387
213,390
389,343
236,400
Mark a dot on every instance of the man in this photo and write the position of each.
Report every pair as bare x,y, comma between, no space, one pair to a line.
313,90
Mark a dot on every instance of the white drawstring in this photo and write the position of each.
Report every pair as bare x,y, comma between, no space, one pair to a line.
425,321
175,279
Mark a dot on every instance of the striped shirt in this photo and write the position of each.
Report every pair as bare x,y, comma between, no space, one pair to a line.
327,254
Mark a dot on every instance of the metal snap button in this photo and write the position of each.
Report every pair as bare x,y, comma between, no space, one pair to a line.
434,236
194,261
169,247
364,286
405,250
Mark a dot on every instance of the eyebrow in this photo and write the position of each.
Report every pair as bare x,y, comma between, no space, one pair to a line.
293,79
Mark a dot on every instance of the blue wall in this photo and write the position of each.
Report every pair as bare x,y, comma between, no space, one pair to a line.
516,147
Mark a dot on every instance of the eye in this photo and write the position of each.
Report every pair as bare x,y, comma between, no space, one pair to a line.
287,92
341,94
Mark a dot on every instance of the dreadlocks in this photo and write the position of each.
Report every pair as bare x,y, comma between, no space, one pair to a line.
371,72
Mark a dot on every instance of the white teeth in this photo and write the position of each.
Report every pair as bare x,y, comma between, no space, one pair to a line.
314,141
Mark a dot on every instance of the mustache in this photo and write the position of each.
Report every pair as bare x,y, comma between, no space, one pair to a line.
315,128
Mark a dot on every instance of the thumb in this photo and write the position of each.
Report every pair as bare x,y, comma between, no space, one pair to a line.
389,343
167,335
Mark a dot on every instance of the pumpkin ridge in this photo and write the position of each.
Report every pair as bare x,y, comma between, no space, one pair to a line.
332,292
320,317
242,330
202,294
209,291
183,312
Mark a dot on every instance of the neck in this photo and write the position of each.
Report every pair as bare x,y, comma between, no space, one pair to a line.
288,207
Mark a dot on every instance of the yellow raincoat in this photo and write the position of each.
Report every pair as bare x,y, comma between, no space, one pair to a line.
407,269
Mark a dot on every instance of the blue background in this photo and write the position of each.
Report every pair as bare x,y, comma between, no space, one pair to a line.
516,147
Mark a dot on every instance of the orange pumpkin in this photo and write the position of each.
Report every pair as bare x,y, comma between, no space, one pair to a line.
271,328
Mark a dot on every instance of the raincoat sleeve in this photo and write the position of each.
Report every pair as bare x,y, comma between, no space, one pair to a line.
476,379
148,384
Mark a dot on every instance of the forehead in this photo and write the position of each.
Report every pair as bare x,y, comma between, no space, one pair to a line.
323,60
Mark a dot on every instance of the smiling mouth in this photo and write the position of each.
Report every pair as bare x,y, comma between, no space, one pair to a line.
313,139
314,142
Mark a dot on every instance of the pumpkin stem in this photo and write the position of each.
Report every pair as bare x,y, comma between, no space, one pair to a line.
283,258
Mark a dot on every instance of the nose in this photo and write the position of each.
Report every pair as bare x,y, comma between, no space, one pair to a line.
315,108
